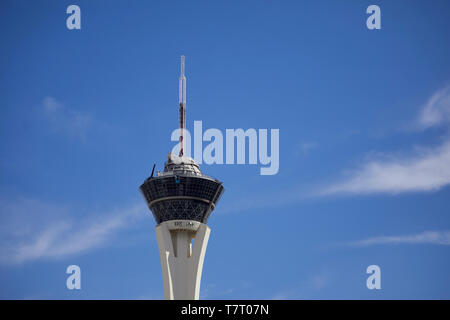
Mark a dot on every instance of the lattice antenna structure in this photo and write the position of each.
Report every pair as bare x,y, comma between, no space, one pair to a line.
182,106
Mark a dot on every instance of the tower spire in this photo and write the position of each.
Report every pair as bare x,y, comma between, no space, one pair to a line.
182,104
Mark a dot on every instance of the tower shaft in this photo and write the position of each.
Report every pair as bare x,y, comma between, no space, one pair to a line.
182,262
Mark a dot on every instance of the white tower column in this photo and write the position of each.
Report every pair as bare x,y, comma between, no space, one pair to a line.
182,261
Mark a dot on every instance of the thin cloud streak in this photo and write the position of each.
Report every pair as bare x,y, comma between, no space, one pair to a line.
65,120
437,110
426,237
63,237
305,148
429,170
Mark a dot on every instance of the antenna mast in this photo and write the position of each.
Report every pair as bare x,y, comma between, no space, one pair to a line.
182,103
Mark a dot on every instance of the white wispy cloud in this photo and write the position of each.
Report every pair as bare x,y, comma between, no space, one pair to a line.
42,233
437,110
285,295
319,281
309,286
212,291
424,169
304,148
66,120
426,237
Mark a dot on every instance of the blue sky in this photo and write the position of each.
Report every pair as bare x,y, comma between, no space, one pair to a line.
364,118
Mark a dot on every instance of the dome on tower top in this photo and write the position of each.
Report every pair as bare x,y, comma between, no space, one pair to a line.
181,165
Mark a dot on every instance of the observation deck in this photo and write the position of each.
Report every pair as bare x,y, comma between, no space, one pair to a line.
181,191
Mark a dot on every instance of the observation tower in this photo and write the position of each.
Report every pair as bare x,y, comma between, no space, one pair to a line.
181,199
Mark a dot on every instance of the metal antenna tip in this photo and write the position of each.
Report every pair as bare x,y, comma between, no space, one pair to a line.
182,65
